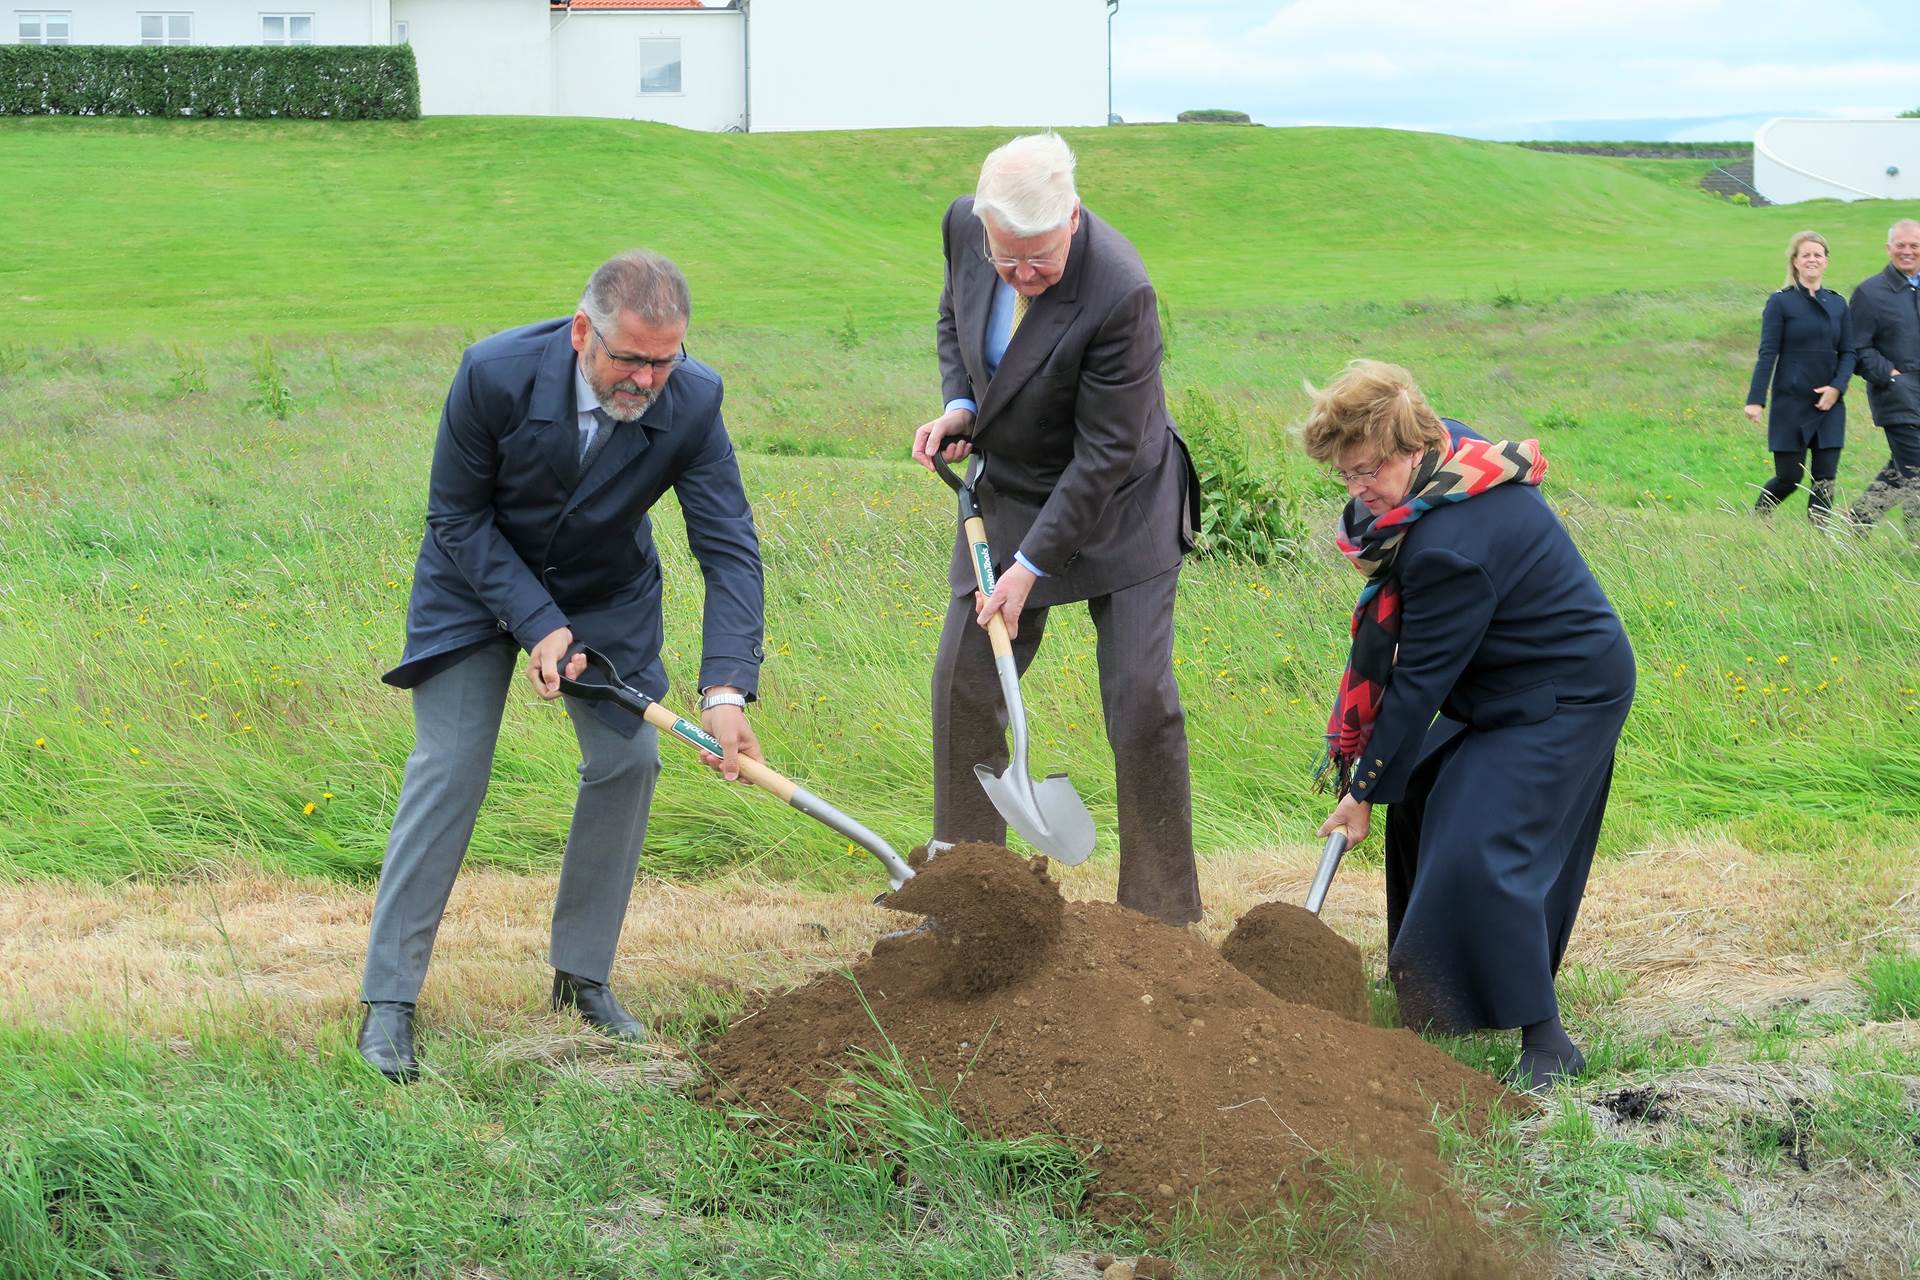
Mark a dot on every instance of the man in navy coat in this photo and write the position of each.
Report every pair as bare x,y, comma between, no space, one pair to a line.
556,441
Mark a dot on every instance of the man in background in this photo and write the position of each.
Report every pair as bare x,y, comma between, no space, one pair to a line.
1886,334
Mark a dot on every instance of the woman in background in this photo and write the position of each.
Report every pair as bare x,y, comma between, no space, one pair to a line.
1806,347
1478,609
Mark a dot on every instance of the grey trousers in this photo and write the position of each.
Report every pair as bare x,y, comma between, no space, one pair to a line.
1146,728
456,715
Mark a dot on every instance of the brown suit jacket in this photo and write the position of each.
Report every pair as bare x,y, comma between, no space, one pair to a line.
1085,473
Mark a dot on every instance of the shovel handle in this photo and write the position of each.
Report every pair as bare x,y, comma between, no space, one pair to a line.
760,775
983,574
1323,876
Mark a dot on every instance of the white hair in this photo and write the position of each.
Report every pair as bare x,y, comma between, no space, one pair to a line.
1895,228
1027,185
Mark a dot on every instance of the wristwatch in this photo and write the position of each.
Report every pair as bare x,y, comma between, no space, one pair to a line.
708,701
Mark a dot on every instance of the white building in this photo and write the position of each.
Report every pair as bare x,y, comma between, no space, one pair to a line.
1837,160
757,65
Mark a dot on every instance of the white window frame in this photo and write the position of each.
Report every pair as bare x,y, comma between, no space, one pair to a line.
40,17
286,40
679,61
402,32
166,39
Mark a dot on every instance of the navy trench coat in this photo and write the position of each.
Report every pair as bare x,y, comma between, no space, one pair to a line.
1806,341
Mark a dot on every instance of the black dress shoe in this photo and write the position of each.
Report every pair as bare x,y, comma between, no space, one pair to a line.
597,1006
386,1040
1538,1072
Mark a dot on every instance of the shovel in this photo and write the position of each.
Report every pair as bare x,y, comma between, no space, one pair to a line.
1329,863
601,683
1049,814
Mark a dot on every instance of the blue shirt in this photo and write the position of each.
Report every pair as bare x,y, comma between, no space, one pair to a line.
999,336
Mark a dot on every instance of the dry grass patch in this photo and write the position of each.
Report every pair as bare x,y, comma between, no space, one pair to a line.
1694,928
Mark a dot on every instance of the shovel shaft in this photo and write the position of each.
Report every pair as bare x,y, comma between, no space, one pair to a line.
1323,877
771,780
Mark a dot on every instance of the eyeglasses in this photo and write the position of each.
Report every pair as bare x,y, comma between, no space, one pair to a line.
1012,264
1362,475
634,364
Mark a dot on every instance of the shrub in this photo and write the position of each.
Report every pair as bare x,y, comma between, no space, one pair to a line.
1244,515
328,82
1214,115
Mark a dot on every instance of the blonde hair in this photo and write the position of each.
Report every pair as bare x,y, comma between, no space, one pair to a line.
1374,406
1793,251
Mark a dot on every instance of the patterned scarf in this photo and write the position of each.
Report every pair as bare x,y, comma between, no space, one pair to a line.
1470,467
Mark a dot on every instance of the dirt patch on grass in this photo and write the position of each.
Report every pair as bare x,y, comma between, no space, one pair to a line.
1186,1084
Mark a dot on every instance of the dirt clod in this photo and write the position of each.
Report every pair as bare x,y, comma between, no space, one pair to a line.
1292,953
994,916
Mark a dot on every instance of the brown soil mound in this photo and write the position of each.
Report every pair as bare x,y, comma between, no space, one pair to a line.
1185,1082
1290,952
995,917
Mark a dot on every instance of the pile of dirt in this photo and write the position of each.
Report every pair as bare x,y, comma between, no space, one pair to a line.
1187,1084
1287,950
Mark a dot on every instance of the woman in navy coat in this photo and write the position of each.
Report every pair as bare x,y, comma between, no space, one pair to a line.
1486,689
1806,347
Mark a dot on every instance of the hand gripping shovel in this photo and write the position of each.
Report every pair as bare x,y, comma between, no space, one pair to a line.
1329,863
601,683
1048,813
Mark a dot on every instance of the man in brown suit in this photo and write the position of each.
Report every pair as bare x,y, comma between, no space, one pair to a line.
1049,340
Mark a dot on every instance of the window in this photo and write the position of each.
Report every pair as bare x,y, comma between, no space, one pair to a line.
45,28
286,28
400,33
660,66
166,28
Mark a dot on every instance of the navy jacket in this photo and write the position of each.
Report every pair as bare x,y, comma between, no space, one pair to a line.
519,543
1501,622
1806,341
1886,335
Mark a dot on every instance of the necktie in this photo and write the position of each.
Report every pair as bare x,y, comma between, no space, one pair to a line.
602,428
1020,304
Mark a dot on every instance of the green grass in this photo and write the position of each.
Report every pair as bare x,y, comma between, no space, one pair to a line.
227,344
155,230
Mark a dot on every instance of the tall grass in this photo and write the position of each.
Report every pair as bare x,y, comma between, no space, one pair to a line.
199,601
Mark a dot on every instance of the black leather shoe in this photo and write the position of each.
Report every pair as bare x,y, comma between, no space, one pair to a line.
386,1040
1538,1072
596,1006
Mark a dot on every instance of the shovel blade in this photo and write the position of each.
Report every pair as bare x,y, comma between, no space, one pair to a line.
1048,814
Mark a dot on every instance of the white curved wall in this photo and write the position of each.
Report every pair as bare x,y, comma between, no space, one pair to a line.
1837,160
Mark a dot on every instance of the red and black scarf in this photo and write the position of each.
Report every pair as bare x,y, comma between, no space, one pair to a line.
1467,468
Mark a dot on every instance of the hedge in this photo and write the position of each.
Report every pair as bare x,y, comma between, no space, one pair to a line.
314,82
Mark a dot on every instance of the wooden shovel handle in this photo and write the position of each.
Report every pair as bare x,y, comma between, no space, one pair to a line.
760,775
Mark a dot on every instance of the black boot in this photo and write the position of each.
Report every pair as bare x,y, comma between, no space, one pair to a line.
1820,503
596,1005
1547,1057
386,1040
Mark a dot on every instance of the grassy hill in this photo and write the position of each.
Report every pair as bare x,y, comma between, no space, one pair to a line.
209,536
122,228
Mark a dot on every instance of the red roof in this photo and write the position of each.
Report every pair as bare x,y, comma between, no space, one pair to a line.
626,4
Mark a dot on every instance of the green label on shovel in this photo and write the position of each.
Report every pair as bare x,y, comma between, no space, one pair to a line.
697,736
983,564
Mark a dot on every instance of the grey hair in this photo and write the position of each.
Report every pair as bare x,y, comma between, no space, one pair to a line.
1904,222
1027,185
640,281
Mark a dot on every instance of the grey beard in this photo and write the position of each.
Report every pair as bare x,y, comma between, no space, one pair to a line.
613,409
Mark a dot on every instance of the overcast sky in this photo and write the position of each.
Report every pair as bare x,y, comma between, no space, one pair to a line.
1643,69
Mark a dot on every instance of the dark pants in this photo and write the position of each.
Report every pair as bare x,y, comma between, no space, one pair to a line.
1788,466
1898,483
1145,727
